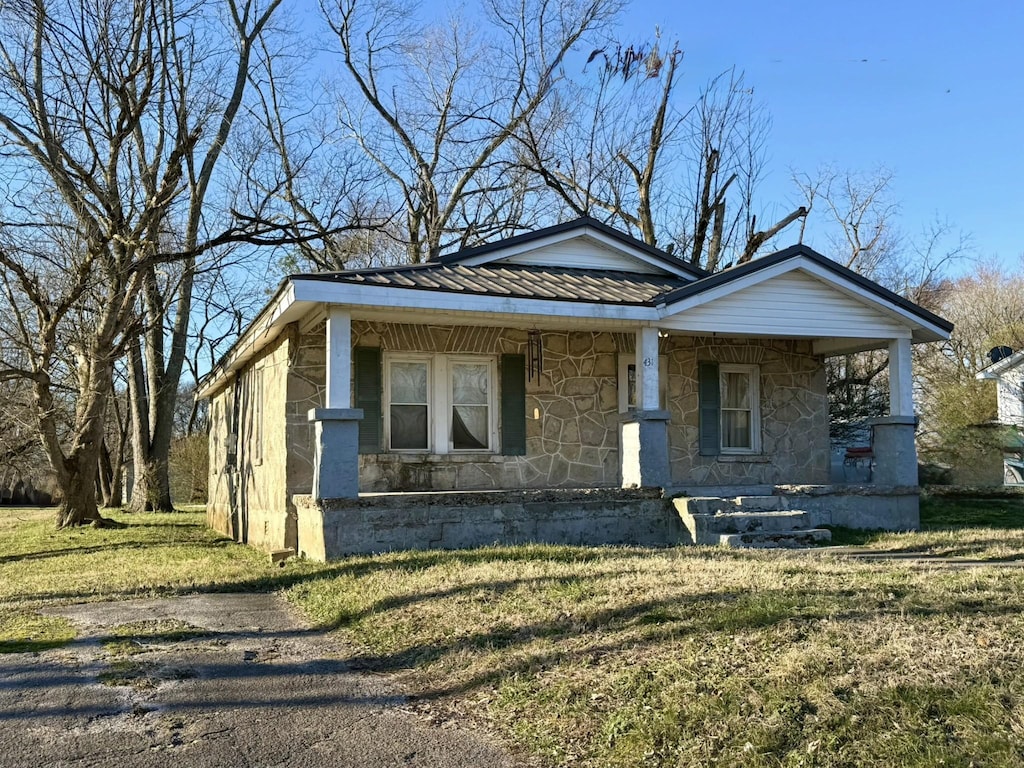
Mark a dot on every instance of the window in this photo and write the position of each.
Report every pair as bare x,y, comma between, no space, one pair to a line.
256,414
440,403
627,382
740,427
471,406
409,405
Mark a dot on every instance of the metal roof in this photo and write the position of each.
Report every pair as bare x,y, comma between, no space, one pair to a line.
518,281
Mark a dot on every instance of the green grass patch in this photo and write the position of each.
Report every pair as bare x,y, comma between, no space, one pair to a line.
955,512
29,632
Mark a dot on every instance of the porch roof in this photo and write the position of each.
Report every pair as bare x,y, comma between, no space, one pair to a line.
549,278
593,286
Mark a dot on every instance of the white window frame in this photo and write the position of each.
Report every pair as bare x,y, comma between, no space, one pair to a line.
627,360
754,373
492,405
389,360
439,401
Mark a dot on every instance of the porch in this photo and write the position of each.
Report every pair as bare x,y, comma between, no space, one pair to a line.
329,528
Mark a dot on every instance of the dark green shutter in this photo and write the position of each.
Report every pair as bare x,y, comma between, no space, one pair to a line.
368,396
709,396
513,405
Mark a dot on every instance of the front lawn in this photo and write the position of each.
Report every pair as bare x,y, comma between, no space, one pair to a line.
619,656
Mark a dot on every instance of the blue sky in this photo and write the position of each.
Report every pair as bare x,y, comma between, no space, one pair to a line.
931,91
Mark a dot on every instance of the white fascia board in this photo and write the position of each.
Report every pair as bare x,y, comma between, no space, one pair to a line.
574,234
1006,364
281,310
362,295
846,346
932,332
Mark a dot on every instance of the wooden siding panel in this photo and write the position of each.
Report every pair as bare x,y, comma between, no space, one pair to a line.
791,304
579,254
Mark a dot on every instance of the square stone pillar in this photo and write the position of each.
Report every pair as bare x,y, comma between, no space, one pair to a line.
895,453
336,452
643,449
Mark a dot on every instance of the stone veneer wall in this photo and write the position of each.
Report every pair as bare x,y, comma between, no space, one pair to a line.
256,483
572,411
572,420
793,404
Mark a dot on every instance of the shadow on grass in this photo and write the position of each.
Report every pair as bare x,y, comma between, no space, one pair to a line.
114,546
958,513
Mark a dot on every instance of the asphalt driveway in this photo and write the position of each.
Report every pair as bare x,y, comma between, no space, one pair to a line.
246,684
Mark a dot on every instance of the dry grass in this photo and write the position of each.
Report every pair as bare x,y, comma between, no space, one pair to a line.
623,657
619,657
156,554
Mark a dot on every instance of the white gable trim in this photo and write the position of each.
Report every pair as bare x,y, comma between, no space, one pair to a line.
634,259
903,316
994,370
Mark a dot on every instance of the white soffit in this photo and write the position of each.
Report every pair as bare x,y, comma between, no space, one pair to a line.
585,248
797,298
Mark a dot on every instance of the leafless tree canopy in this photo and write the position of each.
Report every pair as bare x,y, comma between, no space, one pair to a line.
111,119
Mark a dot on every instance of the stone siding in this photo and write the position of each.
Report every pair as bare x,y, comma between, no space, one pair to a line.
572,430
793,405
250,476
571,410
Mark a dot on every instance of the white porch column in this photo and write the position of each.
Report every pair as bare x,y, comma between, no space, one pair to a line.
647,384
901,386
339,358
892,436
643,436
336,425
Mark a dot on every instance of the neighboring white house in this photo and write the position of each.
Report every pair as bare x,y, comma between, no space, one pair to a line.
1007,371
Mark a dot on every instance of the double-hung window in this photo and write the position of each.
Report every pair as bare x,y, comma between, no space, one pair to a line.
408,411
440,403
740,428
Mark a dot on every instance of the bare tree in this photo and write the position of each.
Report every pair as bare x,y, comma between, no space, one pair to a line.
434,107
987,310
112,125
625,146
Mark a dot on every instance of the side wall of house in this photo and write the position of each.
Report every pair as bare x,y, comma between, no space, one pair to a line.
793,408
1011,397
248,453
222,445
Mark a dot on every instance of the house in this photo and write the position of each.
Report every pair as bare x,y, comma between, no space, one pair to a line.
572,357
1001,444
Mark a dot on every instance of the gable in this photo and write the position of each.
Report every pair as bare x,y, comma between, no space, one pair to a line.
793,303
583,253
580,244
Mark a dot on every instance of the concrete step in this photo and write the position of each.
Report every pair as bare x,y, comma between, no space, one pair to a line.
712,505
775,539
753,522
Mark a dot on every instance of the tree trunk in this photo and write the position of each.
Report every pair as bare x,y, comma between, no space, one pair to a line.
151,487
78,506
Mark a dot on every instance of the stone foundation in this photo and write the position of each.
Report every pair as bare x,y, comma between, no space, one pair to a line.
868,507
337,527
